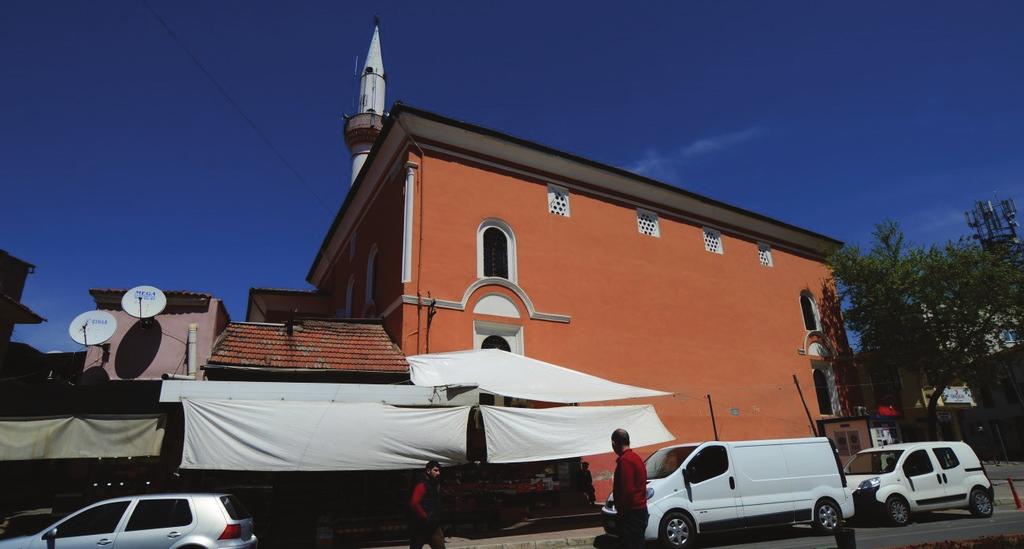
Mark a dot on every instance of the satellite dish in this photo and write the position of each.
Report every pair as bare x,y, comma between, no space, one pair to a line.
92,327
143,302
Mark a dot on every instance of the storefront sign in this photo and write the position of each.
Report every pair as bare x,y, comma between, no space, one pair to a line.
957,395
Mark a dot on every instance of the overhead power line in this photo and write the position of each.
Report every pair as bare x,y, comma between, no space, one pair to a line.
238,108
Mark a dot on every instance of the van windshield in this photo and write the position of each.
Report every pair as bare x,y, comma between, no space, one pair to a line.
664,462
873,463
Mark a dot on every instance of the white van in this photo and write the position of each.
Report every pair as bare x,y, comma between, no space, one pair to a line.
894,481
716,486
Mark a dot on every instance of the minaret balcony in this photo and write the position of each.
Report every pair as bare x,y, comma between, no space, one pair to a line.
363,128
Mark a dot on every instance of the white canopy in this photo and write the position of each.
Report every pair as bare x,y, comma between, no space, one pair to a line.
65,437
245,435
523,434
517,376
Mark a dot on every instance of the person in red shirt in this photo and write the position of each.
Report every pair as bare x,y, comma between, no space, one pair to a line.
425,504
629,492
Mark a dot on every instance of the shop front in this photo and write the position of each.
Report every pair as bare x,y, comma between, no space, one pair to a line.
352,462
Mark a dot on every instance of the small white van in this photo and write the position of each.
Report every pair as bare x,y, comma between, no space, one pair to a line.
715,486
894,481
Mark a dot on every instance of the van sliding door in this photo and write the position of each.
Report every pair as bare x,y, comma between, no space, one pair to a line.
764,484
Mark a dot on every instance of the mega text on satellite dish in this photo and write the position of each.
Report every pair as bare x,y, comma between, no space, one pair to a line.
148,295
143,302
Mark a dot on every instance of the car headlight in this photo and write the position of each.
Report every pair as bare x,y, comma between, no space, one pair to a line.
873,482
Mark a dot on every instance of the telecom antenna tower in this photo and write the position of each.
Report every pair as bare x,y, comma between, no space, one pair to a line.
995,226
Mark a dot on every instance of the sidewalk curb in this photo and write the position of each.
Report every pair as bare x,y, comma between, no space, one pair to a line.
555,543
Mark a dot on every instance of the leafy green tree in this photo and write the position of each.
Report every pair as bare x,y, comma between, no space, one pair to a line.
937,311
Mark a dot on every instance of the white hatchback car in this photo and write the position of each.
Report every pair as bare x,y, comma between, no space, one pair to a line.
894,481
154,521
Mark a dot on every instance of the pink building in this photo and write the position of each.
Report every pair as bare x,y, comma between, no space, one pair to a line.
150,349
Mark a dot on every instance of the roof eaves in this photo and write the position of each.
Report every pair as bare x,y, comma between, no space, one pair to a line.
401,107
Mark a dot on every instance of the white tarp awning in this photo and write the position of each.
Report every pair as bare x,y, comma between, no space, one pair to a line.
243,435
94,436
517,376
523,434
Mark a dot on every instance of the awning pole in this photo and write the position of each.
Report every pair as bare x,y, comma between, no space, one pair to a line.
814,431
712,409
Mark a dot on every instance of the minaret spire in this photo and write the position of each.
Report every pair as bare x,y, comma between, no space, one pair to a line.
362,128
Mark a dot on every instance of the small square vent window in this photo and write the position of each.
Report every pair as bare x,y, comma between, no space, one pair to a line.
647,223
713,241
764,254
558,200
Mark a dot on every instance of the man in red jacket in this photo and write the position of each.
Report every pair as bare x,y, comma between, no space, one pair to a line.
629,492
425,504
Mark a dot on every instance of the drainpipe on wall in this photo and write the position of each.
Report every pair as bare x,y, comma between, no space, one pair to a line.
190,356
193,336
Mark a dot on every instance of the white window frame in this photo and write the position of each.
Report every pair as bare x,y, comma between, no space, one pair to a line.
657,222
370,276
767,249
513,333
715,233
510,239
554,190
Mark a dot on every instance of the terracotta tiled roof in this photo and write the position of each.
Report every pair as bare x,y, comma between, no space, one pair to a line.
169,293
314,344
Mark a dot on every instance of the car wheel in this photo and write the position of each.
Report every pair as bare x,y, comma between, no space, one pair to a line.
898,510
677,531
980,503
827,516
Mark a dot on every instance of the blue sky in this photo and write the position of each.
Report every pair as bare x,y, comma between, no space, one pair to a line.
122,165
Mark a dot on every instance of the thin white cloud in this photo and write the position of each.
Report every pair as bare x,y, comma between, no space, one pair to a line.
666,164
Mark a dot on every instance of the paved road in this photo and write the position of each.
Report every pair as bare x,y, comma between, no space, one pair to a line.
947,525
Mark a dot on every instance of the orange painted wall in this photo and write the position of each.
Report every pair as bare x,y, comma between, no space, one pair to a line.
380,226
656,312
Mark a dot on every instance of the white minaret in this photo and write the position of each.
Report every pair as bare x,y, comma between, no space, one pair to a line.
362,128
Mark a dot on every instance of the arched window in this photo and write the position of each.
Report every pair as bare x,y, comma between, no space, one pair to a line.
823,392
496,342
496,250
371,276
810,311
350,292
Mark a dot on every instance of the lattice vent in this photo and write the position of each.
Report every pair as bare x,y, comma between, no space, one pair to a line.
558,200
647,223
713,241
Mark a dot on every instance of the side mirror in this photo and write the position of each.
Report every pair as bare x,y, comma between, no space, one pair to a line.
50,534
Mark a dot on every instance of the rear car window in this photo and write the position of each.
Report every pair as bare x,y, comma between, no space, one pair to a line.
234,507
159,513
947,457
102,519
